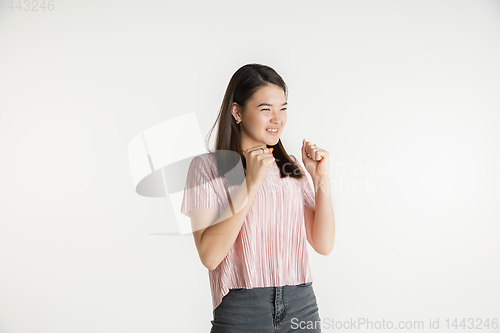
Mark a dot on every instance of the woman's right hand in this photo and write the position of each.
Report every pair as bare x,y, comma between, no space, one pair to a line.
257,163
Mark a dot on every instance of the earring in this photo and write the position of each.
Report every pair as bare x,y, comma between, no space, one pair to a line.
239,121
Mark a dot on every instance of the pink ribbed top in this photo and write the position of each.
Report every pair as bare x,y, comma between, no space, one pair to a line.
271,248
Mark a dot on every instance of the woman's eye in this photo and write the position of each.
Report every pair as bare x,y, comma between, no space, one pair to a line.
264,109
283,109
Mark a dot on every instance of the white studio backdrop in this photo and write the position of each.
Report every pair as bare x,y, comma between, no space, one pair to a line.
403,94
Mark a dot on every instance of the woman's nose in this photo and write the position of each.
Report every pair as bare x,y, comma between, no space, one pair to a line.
277,116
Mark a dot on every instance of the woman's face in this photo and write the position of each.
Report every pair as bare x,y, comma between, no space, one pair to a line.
266,109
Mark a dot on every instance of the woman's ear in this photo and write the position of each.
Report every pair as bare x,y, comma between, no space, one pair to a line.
235,111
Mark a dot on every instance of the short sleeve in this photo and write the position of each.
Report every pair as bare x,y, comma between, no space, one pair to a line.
307,189
199,190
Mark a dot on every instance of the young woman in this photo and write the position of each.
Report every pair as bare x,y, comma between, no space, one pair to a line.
251,232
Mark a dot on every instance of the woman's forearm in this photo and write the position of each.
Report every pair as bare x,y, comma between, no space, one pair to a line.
218,239
323,226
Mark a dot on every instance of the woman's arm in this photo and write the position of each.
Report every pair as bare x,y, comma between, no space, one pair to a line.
319,218
214,242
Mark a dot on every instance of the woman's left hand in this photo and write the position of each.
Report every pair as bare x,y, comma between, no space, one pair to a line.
315,160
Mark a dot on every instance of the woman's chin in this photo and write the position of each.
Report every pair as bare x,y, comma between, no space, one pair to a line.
272,142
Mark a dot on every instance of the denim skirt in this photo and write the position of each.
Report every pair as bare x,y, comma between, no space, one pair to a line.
290,308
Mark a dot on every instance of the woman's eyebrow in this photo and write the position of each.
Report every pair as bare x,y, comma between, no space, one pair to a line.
267,104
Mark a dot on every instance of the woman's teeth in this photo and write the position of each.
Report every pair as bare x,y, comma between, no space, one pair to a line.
272,130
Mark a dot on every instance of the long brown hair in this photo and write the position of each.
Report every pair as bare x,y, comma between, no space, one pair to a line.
244,82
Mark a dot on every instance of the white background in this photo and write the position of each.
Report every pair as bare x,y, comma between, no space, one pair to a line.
409,88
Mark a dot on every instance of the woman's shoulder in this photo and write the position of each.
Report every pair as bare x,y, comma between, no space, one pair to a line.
203,158
297,161
201,163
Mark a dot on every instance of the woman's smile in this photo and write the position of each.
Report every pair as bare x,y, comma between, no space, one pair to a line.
273,132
